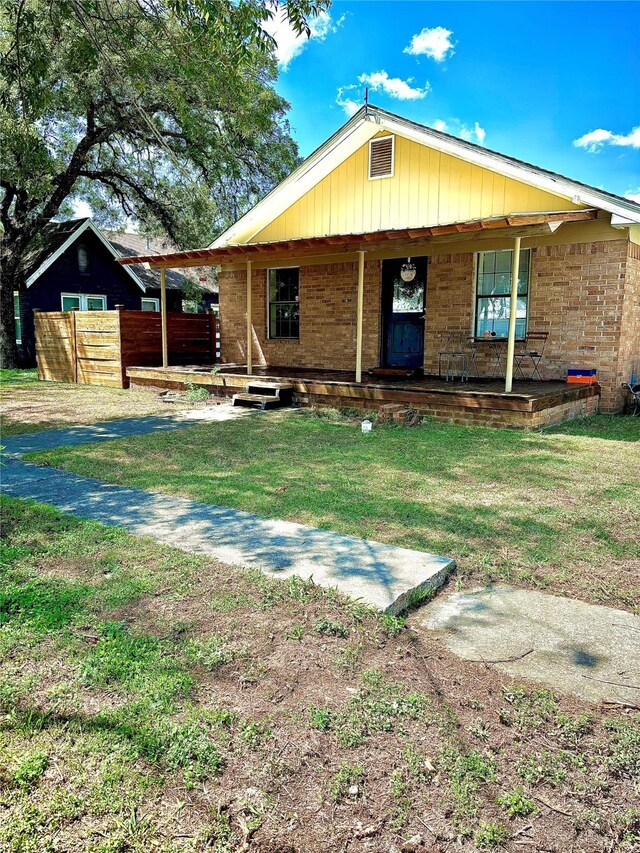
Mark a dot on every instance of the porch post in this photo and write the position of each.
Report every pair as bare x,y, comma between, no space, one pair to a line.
163,318
360,309
511,339
249,330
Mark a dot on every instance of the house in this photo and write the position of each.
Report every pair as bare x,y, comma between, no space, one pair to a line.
395,247
74,265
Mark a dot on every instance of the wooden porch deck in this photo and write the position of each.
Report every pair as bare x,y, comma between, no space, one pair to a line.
530,405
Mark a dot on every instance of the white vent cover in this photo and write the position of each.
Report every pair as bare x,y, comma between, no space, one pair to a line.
381,152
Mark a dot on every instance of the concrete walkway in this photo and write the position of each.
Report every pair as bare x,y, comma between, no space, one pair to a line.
585,649
384,576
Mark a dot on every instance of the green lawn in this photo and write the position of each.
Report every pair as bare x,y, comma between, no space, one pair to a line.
557,509
152,700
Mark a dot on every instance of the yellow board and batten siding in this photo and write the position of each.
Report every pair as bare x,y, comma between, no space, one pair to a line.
427,188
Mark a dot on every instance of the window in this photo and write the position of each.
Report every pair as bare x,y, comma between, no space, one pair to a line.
284,303
16,316
83,302
381,151
83,260
150,304
493,294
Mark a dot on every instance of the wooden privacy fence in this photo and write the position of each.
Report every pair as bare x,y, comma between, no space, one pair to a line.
97,347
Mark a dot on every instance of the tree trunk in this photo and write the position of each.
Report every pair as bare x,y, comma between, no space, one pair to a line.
8,346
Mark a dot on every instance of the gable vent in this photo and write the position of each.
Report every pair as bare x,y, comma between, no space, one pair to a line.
381,157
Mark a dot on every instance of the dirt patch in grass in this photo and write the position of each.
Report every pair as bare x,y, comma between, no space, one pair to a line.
162,701
27,405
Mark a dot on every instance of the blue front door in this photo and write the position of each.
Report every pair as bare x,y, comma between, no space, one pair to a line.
403,305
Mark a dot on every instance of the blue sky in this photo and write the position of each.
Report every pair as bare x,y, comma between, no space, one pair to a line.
556,84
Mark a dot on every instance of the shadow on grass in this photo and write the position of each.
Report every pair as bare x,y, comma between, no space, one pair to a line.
608,427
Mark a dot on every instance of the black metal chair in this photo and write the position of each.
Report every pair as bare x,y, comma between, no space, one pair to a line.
634,391
533,352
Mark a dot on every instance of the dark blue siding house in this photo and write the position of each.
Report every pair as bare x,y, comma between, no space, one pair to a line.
75,266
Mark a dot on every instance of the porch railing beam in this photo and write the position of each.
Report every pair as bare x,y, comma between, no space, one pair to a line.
249,324
163,318
360,311
513,307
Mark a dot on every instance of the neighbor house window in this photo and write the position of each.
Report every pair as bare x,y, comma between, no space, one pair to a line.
83,302
16,316
284,303
83,260
150,304
493,294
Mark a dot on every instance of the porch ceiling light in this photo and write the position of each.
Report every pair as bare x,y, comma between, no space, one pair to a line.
408,271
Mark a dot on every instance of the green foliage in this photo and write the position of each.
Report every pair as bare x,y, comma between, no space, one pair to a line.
163,111
136,663
466,772
196,393
320,718
348,781
624,757
392,625
516,803
376,707
210,652
549,768
30,768
331,627
254,732
491,835
529,709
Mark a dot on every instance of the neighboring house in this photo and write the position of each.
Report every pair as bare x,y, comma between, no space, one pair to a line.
318,263
74,265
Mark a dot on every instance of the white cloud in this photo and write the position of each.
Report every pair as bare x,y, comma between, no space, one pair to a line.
289,44
633,196
435,43
379,81
595,140
348,104
457,128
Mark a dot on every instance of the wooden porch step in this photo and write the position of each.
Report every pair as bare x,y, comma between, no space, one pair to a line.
264,401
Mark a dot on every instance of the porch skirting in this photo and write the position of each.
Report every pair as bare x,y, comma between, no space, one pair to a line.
531,405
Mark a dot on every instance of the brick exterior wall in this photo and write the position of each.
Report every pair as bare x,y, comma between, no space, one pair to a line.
327,318
586,295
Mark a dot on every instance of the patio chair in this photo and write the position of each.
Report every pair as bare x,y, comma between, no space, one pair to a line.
456,355
634,391
532,352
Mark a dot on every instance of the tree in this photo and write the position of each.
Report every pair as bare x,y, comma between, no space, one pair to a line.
159,110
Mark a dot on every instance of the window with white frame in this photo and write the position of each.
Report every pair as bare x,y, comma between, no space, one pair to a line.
493,293
149,304
17,317
83,302
284,302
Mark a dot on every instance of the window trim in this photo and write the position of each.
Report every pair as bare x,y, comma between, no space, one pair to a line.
17,317
153,299
477,297
270,336
392,137
83,297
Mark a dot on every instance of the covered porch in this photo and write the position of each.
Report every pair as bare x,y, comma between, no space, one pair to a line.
342,332
529,405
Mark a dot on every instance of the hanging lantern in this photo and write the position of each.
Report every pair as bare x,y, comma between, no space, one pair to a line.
408,271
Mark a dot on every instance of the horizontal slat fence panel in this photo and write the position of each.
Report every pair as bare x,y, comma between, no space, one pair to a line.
55,346
97,347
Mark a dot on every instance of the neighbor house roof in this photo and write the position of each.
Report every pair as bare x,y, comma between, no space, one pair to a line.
369,121
131,243
54,239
